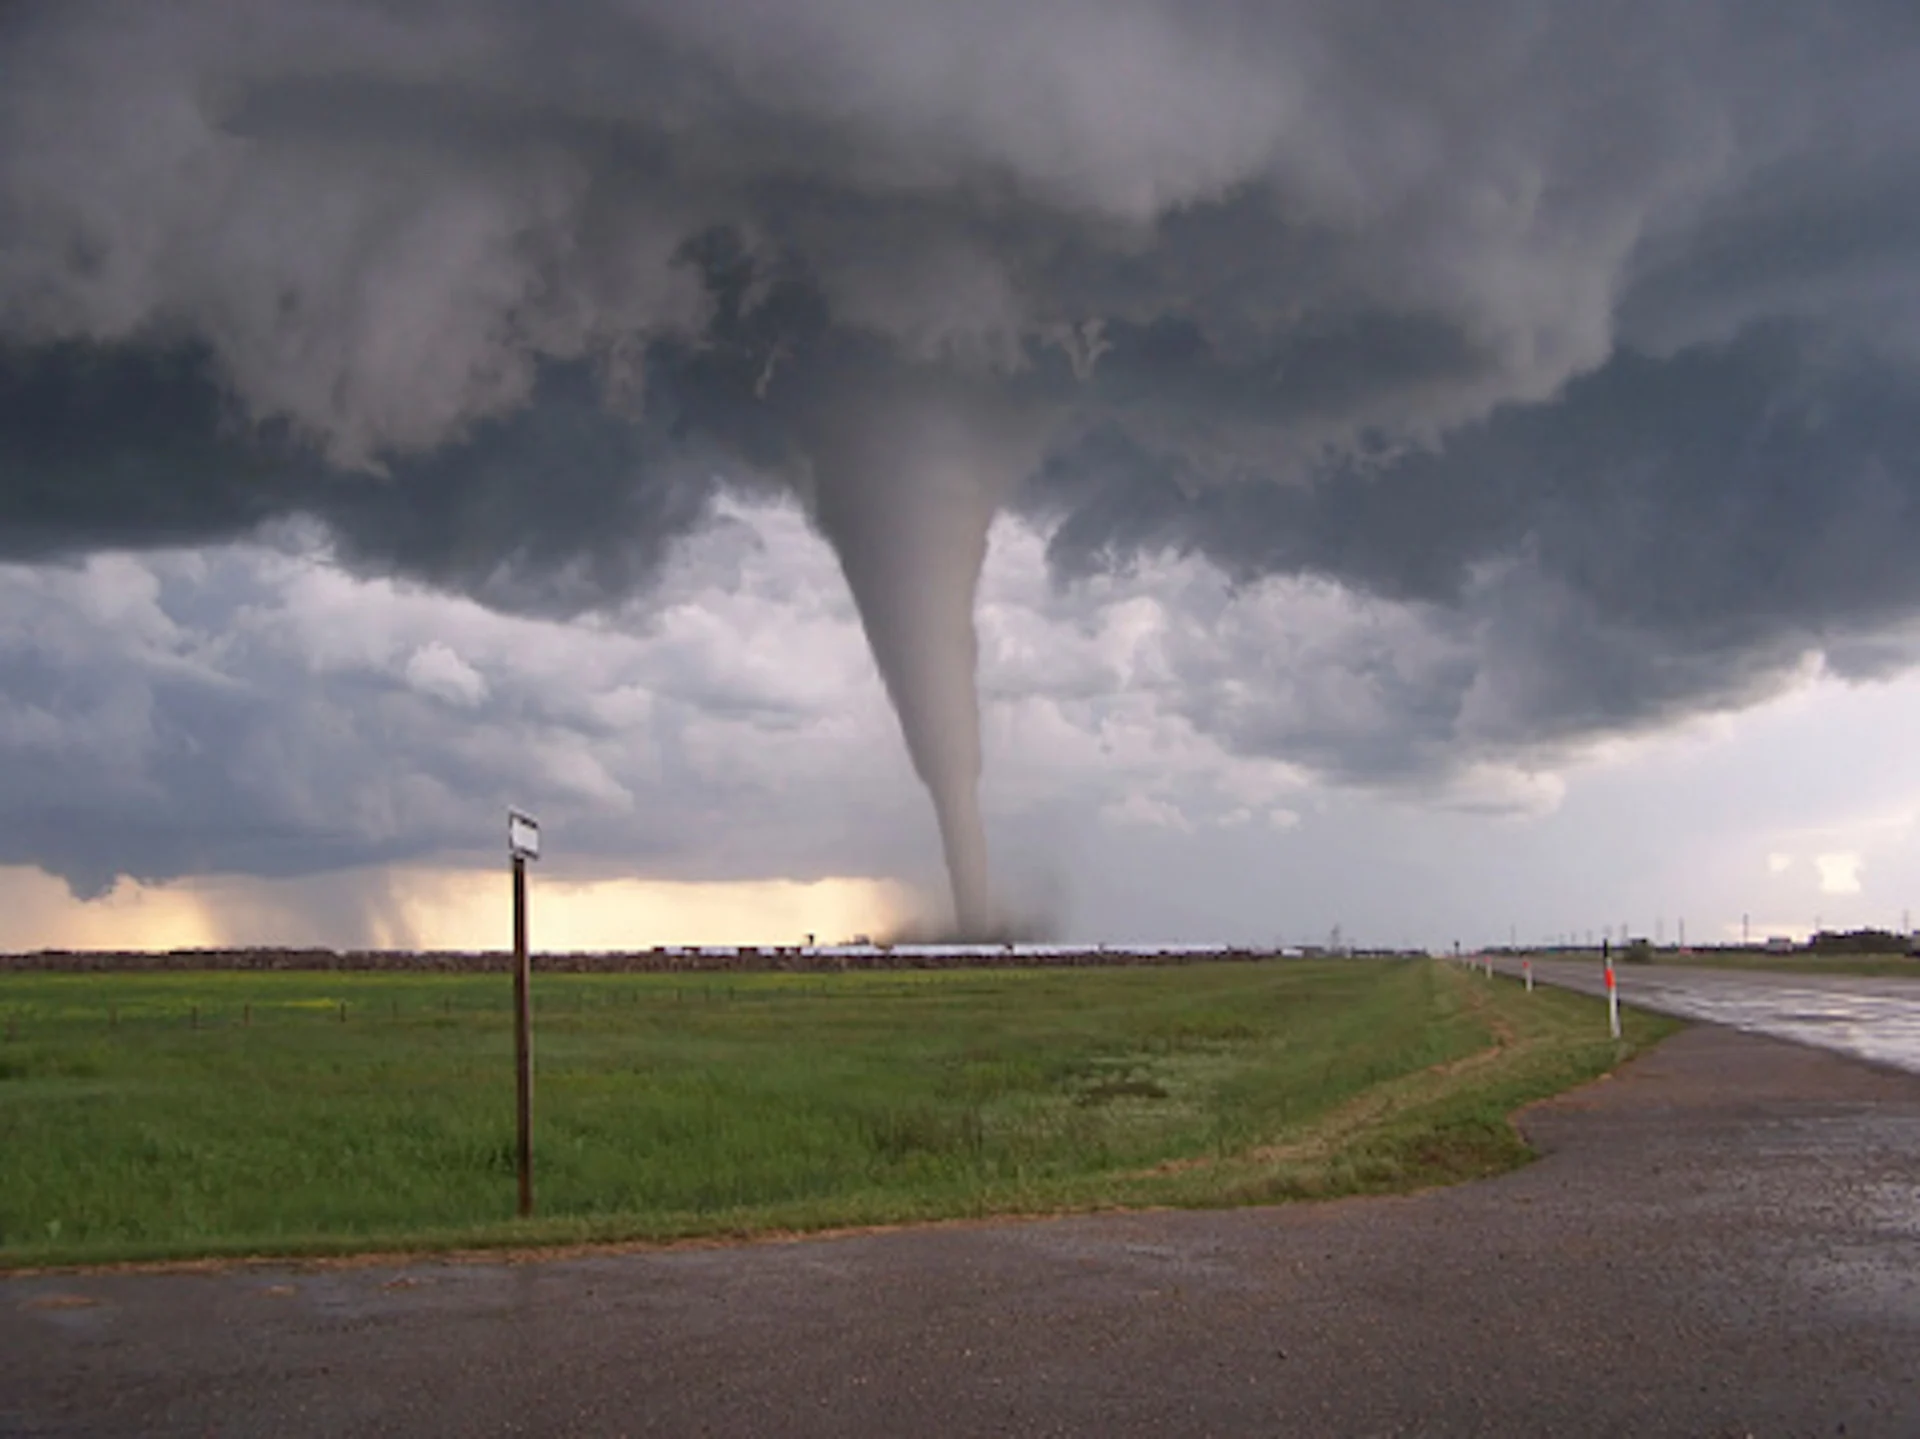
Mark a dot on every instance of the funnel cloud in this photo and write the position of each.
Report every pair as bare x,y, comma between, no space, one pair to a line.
906,493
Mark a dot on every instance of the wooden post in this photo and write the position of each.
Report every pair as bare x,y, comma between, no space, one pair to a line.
522,1035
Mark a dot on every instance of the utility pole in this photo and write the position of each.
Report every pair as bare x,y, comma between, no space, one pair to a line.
523,844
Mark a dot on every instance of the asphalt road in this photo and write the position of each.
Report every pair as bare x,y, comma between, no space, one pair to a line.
1722,1240
1873,1019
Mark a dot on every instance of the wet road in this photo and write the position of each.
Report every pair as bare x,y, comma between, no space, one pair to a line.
1723,1239
1872,1019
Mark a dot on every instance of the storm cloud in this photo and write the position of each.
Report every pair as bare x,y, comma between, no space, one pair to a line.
1584,339
1671,534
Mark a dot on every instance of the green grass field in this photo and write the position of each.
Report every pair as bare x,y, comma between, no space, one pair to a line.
157,1116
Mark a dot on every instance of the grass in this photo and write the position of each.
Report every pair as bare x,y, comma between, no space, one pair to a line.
167,1116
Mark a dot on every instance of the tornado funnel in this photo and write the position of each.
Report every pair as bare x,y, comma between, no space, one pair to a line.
906,485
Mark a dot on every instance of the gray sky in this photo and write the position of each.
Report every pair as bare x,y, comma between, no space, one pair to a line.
1474,476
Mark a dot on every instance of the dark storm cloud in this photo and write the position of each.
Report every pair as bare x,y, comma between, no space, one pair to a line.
382,221
1728,488
1587,330
1670,533
557,507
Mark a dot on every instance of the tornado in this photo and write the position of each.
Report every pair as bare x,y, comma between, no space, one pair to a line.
906,482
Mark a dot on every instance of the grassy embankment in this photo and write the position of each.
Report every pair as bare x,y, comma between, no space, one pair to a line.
154,1116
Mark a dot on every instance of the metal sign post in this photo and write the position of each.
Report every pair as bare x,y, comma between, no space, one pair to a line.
523,844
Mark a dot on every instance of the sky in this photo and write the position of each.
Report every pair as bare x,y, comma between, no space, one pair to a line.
1257,469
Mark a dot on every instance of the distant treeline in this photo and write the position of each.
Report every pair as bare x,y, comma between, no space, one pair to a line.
1859,941
666,960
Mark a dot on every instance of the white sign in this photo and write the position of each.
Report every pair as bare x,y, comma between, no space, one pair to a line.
523,835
